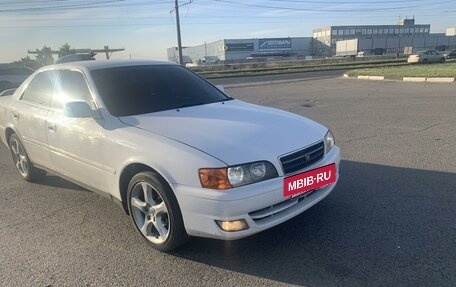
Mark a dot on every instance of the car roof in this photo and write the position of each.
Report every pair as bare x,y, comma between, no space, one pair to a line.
103,64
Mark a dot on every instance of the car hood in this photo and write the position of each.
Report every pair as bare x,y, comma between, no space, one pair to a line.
233,131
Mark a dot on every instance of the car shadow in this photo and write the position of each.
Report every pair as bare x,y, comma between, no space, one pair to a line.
382,226
58,182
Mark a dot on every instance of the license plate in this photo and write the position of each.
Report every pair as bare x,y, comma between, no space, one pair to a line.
309,180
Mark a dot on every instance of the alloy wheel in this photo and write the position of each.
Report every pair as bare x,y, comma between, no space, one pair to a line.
19,157
150,212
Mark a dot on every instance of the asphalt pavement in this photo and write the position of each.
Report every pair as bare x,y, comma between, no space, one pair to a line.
389,222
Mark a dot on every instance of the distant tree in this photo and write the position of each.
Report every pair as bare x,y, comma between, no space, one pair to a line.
23,61
44,56
65,50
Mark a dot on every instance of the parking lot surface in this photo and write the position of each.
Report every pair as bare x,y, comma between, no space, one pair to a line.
389,222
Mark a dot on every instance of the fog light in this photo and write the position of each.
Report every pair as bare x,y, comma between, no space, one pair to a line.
235,225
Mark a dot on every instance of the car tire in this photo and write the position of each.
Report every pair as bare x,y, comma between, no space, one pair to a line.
154,211
21,160
442,60
425,61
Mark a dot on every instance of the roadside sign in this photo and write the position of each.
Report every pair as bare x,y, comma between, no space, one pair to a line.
275,44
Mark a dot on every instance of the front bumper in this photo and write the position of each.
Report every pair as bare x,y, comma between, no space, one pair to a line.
261,205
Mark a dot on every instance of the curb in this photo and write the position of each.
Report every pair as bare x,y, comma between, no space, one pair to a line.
441,80
405,79
218,76
414,79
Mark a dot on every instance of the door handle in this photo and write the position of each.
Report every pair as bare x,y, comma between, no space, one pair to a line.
16,115
51,127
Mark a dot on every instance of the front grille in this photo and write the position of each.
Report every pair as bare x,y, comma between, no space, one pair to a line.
302,158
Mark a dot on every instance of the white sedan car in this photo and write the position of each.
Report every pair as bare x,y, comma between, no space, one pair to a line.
180,156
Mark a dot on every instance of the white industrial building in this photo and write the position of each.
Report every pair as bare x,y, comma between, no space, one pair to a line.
235,50
451,31
404,38
401,45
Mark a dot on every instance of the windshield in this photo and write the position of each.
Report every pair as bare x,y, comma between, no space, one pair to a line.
135,90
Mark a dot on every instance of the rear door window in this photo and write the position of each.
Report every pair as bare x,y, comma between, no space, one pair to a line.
39,90
70,87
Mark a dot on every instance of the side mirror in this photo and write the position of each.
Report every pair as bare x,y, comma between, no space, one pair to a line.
78,110
220,87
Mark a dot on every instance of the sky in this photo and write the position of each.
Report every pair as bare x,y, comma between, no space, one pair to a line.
145,28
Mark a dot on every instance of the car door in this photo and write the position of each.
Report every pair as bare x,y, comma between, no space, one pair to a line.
29,116
75,144
427,56
435,56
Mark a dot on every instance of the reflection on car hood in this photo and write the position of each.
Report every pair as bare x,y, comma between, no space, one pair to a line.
233,131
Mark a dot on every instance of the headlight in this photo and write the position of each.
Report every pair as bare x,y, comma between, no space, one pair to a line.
329,142
234,176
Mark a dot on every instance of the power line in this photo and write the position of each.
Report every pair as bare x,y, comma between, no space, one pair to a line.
34,2
39,2
255,19
299,19
346,2
365,9
80,6
152,24
116,3
307,17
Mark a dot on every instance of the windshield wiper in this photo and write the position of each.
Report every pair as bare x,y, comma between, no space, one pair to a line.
201,103
190,105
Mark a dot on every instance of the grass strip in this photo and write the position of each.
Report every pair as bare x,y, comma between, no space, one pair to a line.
433,70
217,74
356,64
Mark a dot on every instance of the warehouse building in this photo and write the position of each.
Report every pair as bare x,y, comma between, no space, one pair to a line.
401,45
405,37
325,39
451,31
235,50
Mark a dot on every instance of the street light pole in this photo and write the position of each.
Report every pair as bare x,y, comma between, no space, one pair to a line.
179,41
